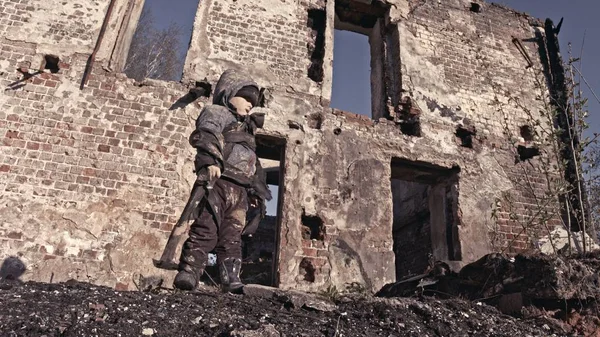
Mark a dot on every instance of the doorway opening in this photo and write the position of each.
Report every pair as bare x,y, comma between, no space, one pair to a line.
260,249
425,221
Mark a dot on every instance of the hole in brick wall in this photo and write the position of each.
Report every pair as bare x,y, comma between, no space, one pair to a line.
316,47
315,121
527,133
307,269
425,215
409,117
527,152
262,100
475,7
465,136
411,128
51,63
201,89
312,227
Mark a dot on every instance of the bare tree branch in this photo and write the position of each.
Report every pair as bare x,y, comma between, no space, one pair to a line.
155,53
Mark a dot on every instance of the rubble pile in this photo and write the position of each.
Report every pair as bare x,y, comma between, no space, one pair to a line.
563,289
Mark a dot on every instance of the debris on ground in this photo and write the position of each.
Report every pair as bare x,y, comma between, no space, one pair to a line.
81,309
562,289
525,295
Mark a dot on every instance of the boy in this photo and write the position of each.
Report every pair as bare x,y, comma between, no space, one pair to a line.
224,139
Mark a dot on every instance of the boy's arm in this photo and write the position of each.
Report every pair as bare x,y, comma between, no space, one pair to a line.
208,139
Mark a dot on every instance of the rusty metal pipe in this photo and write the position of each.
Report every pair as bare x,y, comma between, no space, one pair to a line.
90,63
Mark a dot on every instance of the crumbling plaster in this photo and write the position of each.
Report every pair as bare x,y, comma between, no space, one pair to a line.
72,25
338,170
222,33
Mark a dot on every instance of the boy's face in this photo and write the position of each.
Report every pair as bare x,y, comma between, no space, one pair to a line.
241,105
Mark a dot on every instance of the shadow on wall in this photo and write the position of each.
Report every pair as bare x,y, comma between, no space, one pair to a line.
12,268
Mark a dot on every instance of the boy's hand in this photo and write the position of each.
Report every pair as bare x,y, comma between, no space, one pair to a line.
214,172
254,202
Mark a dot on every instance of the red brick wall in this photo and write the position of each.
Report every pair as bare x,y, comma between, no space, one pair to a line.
278,40
75,24
62,144
526,212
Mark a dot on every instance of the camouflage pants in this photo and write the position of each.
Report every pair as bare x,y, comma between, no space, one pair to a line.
230,203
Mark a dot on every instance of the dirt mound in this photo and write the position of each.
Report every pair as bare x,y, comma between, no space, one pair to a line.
79,309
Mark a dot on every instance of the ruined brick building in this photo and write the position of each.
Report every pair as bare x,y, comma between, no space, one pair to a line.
95,167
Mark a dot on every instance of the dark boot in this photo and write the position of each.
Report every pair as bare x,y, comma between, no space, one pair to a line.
229,270
187,279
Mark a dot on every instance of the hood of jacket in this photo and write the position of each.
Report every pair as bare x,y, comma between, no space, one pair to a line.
230,82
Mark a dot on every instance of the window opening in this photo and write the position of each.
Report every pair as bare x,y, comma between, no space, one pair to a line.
159,45
358,58
351,88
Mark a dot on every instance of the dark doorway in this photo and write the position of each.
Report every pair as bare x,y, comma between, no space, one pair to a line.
260,249
425,225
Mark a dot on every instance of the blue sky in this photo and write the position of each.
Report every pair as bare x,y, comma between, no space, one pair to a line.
351,73
181,12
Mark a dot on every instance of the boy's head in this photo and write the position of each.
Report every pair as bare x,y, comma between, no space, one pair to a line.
245,99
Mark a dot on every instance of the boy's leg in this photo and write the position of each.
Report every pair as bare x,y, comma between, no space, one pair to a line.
194,254
229,246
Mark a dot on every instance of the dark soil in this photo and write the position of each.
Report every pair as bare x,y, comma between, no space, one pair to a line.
80,309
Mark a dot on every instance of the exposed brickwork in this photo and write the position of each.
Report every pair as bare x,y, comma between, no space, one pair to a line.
104,142
14,13
277,40
75,23
64,145
522,213
92,180
485,70
354,118
474,59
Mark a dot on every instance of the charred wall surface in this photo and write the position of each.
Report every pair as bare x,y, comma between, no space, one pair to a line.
93,179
